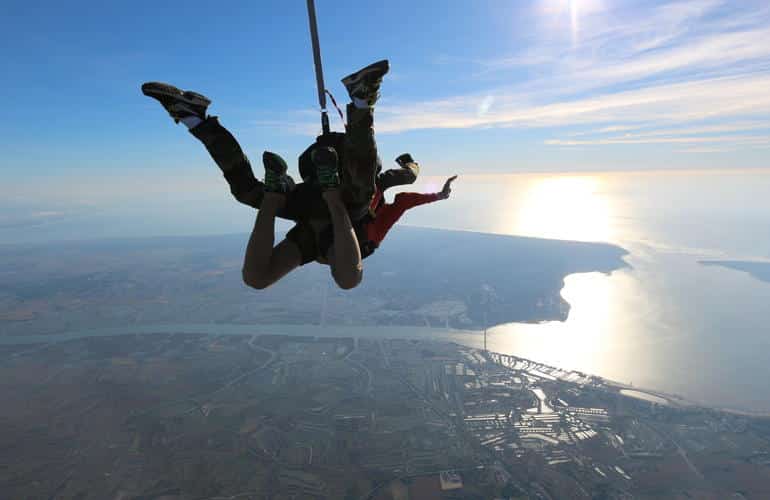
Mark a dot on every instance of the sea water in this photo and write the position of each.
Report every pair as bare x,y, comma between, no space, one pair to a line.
666,322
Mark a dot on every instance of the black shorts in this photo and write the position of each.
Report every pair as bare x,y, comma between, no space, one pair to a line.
311,245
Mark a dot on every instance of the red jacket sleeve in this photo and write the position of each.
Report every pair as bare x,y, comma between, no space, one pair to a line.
388,214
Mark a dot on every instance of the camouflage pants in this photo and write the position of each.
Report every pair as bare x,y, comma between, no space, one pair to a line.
358,170
360,162
236,168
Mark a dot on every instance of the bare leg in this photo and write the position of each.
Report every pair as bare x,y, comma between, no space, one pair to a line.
263,265
345,255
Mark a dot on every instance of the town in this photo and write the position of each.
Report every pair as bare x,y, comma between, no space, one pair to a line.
178,416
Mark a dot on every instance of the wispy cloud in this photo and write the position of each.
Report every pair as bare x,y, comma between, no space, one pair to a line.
641,130
699,150
677,73
30,219
682,135
744,140
664,104
301,122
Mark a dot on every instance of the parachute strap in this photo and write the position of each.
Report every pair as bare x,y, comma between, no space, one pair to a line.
334,102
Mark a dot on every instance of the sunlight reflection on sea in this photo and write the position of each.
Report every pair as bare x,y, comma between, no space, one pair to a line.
667,321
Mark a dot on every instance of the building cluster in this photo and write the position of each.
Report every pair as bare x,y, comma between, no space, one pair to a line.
285,417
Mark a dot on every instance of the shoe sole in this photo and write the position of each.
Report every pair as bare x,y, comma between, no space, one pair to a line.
359,75
157,90
274,163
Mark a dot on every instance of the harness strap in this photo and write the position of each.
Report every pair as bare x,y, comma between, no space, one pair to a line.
334,102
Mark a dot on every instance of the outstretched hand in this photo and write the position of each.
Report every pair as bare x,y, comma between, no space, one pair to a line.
447,189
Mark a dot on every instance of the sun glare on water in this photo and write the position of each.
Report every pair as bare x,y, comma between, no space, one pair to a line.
563,207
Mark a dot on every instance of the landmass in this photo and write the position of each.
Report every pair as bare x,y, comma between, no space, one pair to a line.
419,277
181,417
757,269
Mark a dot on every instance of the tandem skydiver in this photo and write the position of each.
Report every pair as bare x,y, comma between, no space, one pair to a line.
320,241
341,174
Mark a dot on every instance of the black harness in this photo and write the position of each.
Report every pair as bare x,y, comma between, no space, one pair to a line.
307,170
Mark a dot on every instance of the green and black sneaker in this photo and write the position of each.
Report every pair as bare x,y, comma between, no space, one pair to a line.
276,178
179,103
364,84
325,160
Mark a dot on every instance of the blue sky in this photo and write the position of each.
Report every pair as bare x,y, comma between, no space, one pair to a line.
476,87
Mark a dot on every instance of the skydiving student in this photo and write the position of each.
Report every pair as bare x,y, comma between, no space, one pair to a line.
342,169
372,229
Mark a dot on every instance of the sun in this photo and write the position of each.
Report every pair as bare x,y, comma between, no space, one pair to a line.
574,13
565,207
573,10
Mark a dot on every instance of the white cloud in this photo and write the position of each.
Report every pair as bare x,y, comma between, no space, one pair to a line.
700,150
644,132
22,218
717,51
693,68
687,69
485,104
745,140
662,104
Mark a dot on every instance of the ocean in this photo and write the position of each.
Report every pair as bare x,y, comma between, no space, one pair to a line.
666,322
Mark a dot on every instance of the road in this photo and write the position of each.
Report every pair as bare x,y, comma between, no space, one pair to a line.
369,377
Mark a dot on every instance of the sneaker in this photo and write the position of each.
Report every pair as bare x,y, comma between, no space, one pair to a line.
325,160
407,162
179,104
276,178
404,159
365,83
